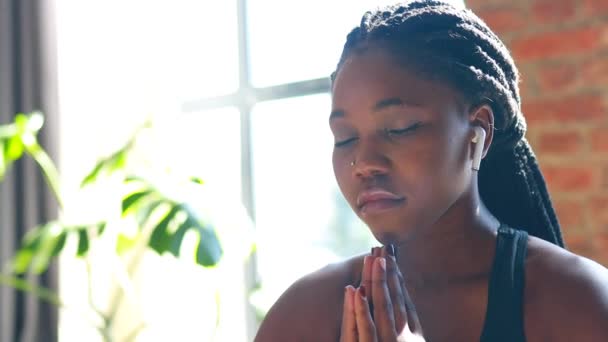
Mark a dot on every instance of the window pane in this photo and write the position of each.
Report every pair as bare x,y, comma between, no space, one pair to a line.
208,144
297,40
176,50
302,220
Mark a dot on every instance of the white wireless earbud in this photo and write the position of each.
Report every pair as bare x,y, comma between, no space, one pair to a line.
478,139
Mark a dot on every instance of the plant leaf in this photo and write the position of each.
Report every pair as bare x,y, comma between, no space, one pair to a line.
124,243
3,162
14,149
22,260
60,243
178,236
92,176
196,180
144,213
101,228
21,121
160,239
51,241
132,199
209,250
83,241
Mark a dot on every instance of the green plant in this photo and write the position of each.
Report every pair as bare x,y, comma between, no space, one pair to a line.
162,220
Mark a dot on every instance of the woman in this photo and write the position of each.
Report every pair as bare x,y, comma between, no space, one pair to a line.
472,250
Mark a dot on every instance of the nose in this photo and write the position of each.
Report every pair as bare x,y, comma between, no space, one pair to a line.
370,161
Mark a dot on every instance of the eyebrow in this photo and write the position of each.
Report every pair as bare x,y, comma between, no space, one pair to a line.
380,105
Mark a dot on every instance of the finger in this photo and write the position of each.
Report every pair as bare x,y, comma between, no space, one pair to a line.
366,274
348,332
395,287
383,307
366,330
412,319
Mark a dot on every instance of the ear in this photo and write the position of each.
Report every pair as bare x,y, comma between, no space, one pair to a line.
483,116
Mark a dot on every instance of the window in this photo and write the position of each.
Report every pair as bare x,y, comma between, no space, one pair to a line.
239,90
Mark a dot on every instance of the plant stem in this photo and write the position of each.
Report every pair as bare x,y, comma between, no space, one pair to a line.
49,170
41,292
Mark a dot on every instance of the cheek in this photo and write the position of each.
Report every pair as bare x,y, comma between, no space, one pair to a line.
342,170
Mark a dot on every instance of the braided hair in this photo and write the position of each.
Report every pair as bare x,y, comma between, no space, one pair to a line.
439,41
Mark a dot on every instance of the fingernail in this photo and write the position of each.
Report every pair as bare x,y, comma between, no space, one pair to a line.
382,263
391,249
362,291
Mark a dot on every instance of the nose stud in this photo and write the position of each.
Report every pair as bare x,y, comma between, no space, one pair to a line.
352,163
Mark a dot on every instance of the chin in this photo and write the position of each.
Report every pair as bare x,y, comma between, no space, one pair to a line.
391,231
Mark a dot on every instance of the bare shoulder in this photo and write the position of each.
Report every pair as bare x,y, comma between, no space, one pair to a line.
311,308
566,294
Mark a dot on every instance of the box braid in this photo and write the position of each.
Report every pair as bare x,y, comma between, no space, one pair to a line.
439,41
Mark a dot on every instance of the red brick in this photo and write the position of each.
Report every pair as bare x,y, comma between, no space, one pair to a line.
595,71
476,5
594,7
558,77
601,246
579,243
552,11
570,179
568,142
573,109
599,140
503,20
599,212
558,43
570,213
604,177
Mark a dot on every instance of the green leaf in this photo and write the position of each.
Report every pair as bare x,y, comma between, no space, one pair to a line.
101,228
118,160
14,149
21,121
51,241
22,260
196,180
92,176
132,199
83,241
144,213
160,239
46,164
178,236
60,243
7,131
3,162
124,243
209,251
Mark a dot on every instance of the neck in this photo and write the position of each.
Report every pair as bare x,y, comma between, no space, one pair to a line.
457,247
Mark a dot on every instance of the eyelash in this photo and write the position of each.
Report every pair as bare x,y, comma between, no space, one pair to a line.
389,132
402,131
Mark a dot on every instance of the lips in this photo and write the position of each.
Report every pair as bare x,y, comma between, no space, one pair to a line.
376,200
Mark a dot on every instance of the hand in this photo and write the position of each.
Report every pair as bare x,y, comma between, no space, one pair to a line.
394,317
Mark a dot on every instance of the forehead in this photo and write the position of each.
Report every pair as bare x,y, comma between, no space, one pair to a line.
367,77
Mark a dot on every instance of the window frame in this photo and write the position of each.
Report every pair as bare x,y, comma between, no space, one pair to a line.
244,98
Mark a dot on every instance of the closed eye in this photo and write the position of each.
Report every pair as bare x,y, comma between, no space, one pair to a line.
344,142
403,131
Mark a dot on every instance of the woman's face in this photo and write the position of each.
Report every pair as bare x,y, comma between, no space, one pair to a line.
410,139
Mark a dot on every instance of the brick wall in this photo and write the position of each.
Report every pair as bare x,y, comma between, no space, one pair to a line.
561,50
